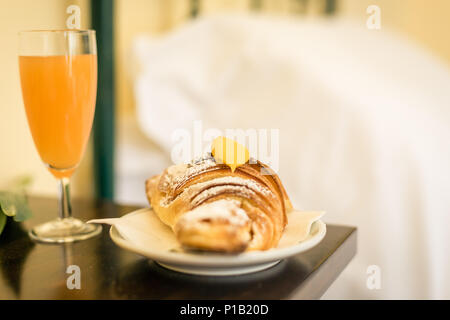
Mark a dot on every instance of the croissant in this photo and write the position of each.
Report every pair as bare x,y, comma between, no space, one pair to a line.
210,207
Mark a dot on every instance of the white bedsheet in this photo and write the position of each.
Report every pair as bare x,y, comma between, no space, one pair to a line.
364,119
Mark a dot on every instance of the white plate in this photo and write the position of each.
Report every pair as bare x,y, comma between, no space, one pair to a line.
205,263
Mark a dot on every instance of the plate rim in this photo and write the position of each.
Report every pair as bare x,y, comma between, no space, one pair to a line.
219,260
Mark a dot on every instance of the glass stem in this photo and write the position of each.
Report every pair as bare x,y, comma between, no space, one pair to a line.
65,209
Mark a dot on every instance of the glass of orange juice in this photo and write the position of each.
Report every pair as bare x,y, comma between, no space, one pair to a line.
58,73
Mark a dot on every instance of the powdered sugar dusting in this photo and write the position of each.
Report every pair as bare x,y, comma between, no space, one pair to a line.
177,174
203,190
228,210
171,172
211,192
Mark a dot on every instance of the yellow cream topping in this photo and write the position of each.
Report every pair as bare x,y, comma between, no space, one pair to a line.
229,152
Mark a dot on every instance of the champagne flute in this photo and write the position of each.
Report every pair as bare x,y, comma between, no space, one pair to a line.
58,72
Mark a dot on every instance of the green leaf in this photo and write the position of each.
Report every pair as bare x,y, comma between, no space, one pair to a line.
2,221
23,210
7,203
15,205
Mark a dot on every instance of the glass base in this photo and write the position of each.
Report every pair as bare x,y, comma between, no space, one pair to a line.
64,230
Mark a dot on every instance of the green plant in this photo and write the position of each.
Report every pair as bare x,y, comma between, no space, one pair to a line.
14,203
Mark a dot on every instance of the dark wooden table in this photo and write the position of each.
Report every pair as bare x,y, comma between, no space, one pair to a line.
31,270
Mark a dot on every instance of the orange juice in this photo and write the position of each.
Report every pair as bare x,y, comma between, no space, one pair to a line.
59,94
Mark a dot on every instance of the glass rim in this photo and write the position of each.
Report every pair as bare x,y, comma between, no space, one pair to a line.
60,31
